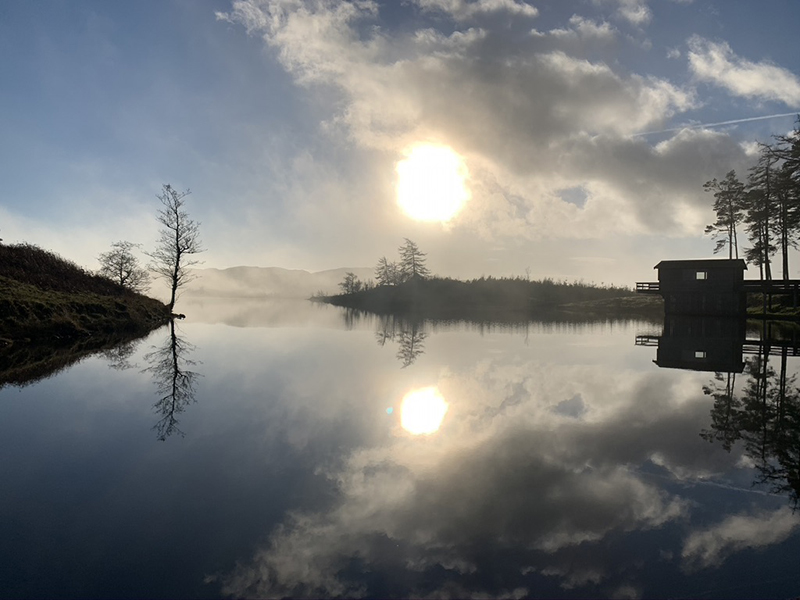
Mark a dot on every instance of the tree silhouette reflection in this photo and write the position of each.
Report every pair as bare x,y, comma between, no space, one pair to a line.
411,346
119,357
175,382
765,417
409,337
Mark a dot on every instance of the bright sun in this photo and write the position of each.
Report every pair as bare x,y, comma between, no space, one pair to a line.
431,183
422,411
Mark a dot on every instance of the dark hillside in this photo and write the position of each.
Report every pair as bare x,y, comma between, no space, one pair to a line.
43,296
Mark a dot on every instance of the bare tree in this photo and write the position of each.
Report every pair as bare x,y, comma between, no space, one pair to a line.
179,241
121,266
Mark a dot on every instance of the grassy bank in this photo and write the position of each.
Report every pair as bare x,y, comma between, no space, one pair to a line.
45,297
489,299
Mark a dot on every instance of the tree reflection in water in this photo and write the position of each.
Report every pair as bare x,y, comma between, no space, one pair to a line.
175,382
408,335
765,417
119,357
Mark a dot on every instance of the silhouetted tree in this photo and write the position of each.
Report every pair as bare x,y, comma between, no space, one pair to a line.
728,207
761,213
175,382
351,283
412,261
387,273
120,265
786,185
179,241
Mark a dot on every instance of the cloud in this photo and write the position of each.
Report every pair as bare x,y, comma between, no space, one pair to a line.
710,547
635,11
715,62
510,475
465,9
523,107
587,29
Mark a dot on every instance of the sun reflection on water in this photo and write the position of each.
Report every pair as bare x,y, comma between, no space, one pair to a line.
422,411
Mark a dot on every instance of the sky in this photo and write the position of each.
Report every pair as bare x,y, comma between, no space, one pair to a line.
582,131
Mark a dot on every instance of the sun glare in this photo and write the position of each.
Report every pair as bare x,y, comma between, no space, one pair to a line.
431,183
422,411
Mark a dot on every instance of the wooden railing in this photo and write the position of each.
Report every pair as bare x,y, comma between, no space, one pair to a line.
648,287
771,286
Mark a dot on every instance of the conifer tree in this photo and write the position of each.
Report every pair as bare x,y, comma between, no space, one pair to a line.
412,261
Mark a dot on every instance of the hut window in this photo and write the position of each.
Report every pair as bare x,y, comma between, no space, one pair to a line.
701,275
699,353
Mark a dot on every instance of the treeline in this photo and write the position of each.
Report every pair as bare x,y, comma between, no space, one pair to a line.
485,299
766,205
411,265
406,287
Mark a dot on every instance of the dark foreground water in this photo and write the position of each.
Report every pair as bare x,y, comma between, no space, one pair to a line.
266,450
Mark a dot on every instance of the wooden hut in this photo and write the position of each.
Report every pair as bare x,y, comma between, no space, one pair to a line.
700,287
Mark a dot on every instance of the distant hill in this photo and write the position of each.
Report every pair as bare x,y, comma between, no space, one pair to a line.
276,282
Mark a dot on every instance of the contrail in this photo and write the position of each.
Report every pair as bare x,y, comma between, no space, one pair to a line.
733,122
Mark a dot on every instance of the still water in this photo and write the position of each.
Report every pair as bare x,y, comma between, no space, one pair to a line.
280,449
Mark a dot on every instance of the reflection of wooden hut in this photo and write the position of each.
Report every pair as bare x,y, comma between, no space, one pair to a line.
700,287
702,344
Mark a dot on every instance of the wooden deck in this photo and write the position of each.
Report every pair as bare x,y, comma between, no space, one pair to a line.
749,346
754,286
772,286
648,287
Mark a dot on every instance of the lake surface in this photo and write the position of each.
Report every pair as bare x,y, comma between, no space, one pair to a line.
281,460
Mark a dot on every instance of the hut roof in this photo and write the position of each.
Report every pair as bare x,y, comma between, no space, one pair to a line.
703,263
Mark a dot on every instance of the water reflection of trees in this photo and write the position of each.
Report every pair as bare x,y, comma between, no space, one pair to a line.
765,417
119,357
170,367
25,364
408,336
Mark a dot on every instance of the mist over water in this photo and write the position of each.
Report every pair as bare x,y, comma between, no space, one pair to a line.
563,463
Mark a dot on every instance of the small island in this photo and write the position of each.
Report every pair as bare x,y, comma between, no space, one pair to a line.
406,288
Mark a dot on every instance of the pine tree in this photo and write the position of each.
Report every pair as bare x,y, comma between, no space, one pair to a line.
412,261
728,206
